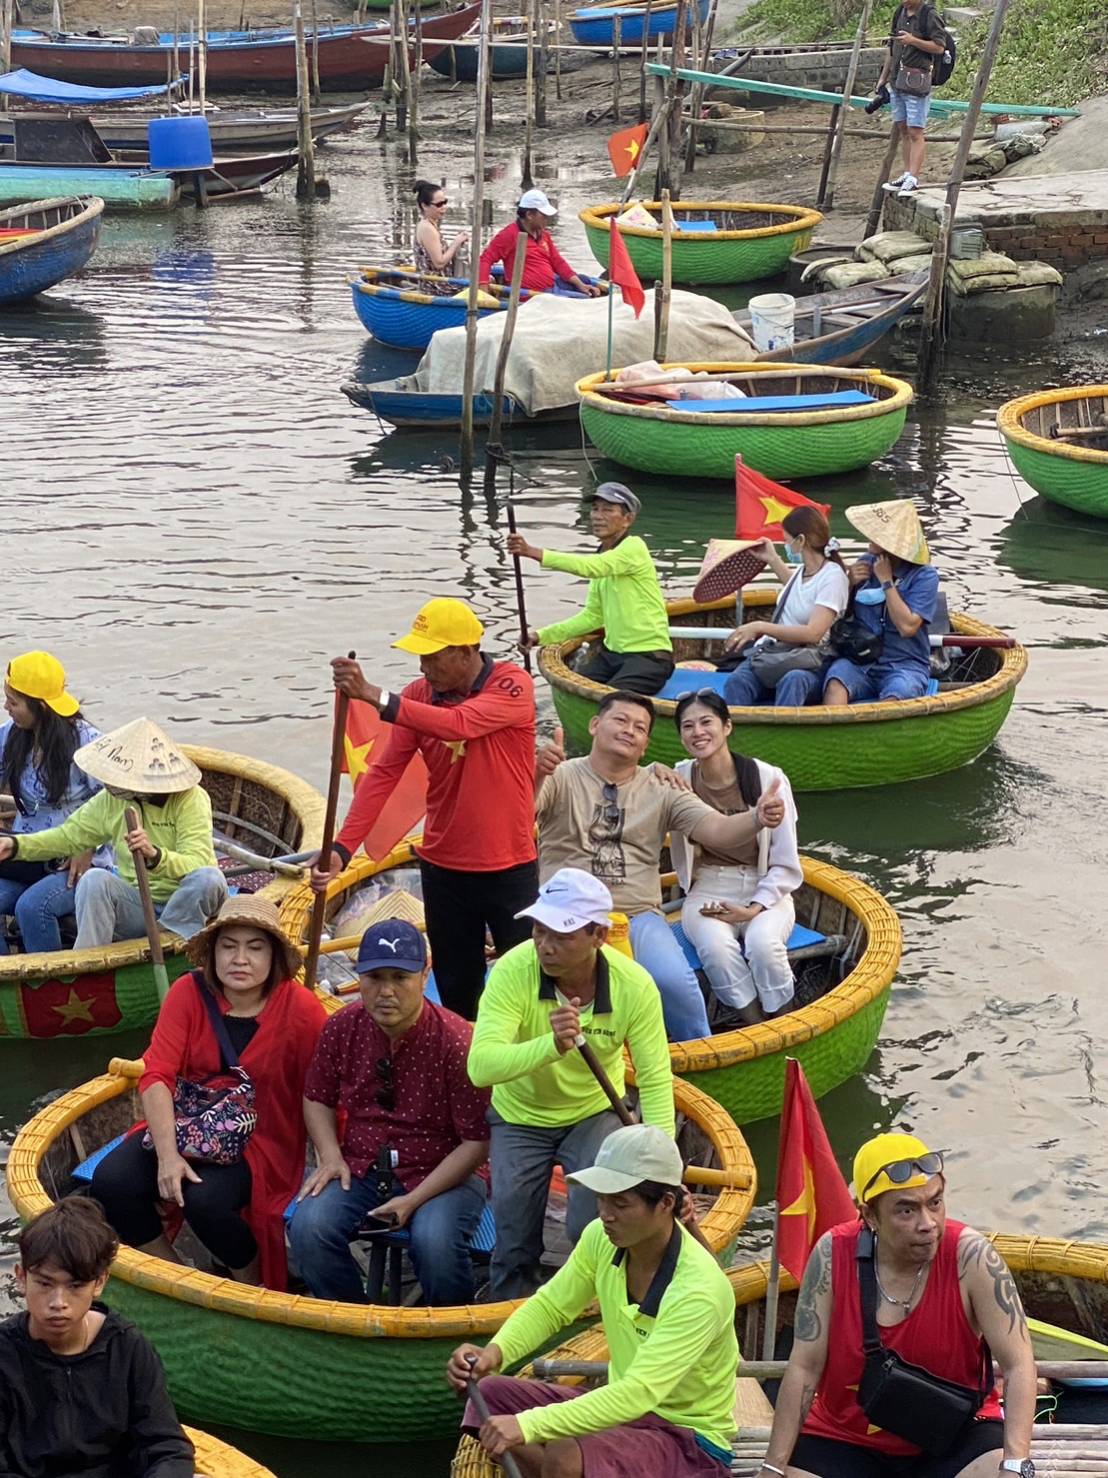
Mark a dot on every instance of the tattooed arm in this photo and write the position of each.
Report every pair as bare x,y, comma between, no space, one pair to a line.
802,1377
997,1311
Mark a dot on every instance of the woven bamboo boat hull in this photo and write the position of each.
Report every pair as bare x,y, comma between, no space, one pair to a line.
757,245
793,443
822,748
1066,472
97,992
216,1459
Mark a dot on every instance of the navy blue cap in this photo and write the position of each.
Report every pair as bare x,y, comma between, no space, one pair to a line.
394,944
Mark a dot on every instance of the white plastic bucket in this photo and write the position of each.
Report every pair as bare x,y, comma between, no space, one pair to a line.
772,317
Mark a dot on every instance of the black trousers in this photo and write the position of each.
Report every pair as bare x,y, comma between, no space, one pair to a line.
459,906
126,1185
634,672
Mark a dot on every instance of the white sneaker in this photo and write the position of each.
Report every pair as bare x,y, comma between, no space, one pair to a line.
908,188
896,184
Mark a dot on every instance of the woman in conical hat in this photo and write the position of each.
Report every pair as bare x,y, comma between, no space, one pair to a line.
895,590
138,766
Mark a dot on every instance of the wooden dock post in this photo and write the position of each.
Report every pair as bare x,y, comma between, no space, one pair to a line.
526,169
663,294
877,204
493,445
202,56
558,48
644,57
476,222
416,101
305,170
317,91
696,101
402,68
837,125
617,38
541,62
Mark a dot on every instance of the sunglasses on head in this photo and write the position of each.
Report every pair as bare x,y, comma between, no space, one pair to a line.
700,693
901,1171
386,1094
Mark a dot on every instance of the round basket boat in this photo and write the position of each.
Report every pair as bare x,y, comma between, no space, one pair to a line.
216,1459
737,241
94,992
290,1365
1068,469
844,964
821,748
816,421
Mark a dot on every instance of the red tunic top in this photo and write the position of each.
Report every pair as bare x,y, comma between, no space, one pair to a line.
936,1335
542,266
276,1057
435,1106
480,756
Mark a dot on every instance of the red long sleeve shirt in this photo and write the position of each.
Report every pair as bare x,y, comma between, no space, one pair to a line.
543,265
480,755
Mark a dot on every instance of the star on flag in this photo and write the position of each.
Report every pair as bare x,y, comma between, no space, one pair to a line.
761,504
625,147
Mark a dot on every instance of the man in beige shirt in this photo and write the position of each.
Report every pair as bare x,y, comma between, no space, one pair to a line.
608,815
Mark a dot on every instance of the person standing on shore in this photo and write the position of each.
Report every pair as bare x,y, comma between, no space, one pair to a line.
917,38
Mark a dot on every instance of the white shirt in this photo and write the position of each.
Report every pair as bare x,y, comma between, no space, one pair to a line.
827,587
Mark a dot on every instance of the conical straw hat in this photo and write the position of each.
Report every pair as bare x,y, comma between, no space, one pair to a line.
895,526
140,757
728,566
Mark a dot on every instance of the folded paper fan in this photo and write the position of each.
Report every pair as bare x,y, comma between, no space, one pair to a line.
729,564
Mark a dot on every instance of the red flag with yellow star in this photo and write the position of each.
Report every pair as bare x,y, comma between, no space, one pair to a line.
625,147
812,1195
71,1007
761,504
365,740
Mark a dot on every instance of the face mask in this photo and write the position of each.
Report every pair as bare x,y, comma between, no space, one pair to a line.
873,596
794,556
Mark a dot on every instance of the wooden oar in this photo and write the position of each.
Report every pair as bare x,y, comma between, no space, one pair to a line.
519,591
284,866
319,907
150,918
715,633
481,1406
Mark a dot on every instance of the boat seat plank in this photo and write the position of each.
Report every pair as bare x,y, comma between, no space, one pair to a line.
752,1406
759,404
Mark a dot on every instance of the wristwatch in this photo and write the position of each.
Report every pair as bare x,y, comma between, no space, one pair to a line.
1024,1467
887,584
383,701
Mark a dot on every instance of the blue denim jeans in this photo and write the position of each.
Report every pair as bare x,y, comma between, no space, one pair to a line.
879,682
36,908
441,1230
655,946
796,689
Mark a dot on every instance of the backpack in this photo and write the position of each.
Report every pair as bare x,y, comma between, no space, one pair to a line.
942,66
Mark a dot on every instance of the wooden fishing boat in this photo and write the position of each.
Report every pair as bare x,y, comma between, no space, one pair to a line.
44,242
247,131
841,327
822,748
118,186
236,62
845,952
96,992
403,405
507,53
815,421
1065,1283
296,1360
714,241
595,25
216,1459
1058,440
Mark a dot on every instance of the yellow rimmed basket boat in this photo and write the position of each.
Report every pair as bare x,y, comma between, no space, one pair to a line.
303,1367
94,992
843,985
1058,440
821,748
714,241
216,1459
815,420
1062,1284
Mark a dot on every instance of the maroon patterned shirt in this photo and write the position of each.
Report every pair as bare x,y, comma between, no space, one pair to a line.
434,1105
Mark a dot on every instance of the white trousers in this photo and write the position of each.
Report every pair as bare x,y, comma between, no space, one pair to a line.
741,961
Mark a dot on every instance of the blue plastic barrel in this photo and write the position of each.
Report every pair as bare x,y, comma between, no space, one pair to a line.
180,143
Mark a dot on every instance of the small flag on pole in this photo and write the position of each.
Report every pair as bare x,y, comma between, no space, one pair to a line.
621,273
761,504
365,741
812,1195
625,148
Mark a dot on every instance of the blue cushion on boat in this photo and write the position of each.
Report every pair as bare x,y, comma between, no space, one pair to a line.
696,225
688,680
84,1170
833,400
800,938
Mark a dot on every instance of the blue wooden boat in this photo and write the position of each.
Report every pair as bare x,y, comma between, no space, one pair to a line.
594,25
505,60
44,242
841,327
403,405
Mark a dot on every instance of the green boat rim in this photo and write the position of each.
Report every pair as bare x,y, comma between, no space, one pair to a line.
802,218
899,397
1009,419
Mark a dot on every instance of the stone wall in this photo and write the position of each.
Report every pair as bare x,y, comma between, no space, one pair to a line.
1064,238
822,68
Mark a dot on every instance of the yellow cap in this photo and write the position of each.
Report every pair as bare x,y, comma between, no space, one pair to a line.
38,675
442,623
882,1150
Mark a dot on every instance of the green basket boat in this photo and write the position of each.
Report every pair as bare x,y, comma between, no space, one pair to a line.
1058,440
861,418
822,748
744,241
96,992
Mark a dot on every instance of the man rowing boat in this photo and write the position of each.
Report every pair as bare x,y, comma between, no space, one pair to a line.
668,1314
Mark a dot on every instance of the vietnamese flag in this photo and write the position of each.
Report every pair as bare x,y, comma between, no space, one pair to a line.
625,147
812,1195
622,274
365,741
70,1008
761,504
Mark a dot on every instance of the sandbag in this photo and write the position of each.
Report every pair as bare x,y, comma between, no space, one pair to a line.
980,274
888,246
914,264
850,274
1038,274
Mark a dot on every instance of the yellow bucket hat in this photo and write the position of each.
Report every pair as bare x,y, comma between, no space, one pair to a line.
39,675
894,526
883,1160
442,623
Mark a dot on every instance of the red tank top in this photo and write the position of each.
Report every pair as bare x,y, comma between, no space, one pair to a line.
936,1335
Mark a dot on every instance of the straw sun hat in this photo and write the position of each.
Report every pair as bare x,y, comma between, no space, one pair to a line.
249,911
141,758
895,526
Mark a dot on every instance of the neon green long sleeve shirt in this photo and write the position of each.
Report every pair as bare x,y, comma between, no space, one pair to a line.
675,1354
182,829
513,1049
624,599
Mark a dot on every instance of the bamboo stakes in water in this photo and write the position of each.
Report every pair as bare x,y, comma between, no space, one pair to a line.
663,292
877,204
529,106
644,56
493,445
540,73
558,48
317,91
837,126
402,75
202,55
305,171
192,70
697,99
617,37
176,49
417,85
469,373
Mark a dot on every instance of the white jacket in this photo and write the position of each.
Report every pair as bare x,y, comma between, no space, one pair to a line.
779,870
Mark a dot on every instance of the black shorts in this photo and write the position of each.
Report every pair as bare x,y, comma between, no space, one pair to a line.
826,1458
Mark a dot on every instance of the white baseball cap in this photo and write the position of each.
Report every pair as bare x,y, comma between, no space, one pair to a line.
568,900
536,200
630,1155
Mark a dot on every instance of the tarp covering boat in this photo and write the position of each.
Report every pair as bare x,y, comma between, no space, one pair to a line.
35,89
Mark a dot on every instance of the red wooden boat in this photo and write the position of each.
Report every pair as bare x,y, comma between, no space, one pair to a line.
265,63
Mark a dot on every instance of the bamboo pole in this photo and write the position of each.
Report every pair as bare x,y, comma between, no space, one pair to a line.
387,81
540,74
728,125
202,55
558,48
644,54
662,295
176,45
933,299
657,124
305,170
192,69
493,444
476,222
837,127
317,91
57,19
416,103
402,75
877,204
696,102
677,91
617,37
663,107
529,106
338,739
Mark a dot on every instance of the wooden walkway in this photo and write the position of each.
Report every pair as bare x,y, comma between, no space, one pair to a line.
1058,1451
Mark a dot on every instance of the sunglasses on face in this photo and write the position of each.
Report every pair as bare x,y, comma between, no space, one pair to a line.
611,804
386,1094
440,203
901,1171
